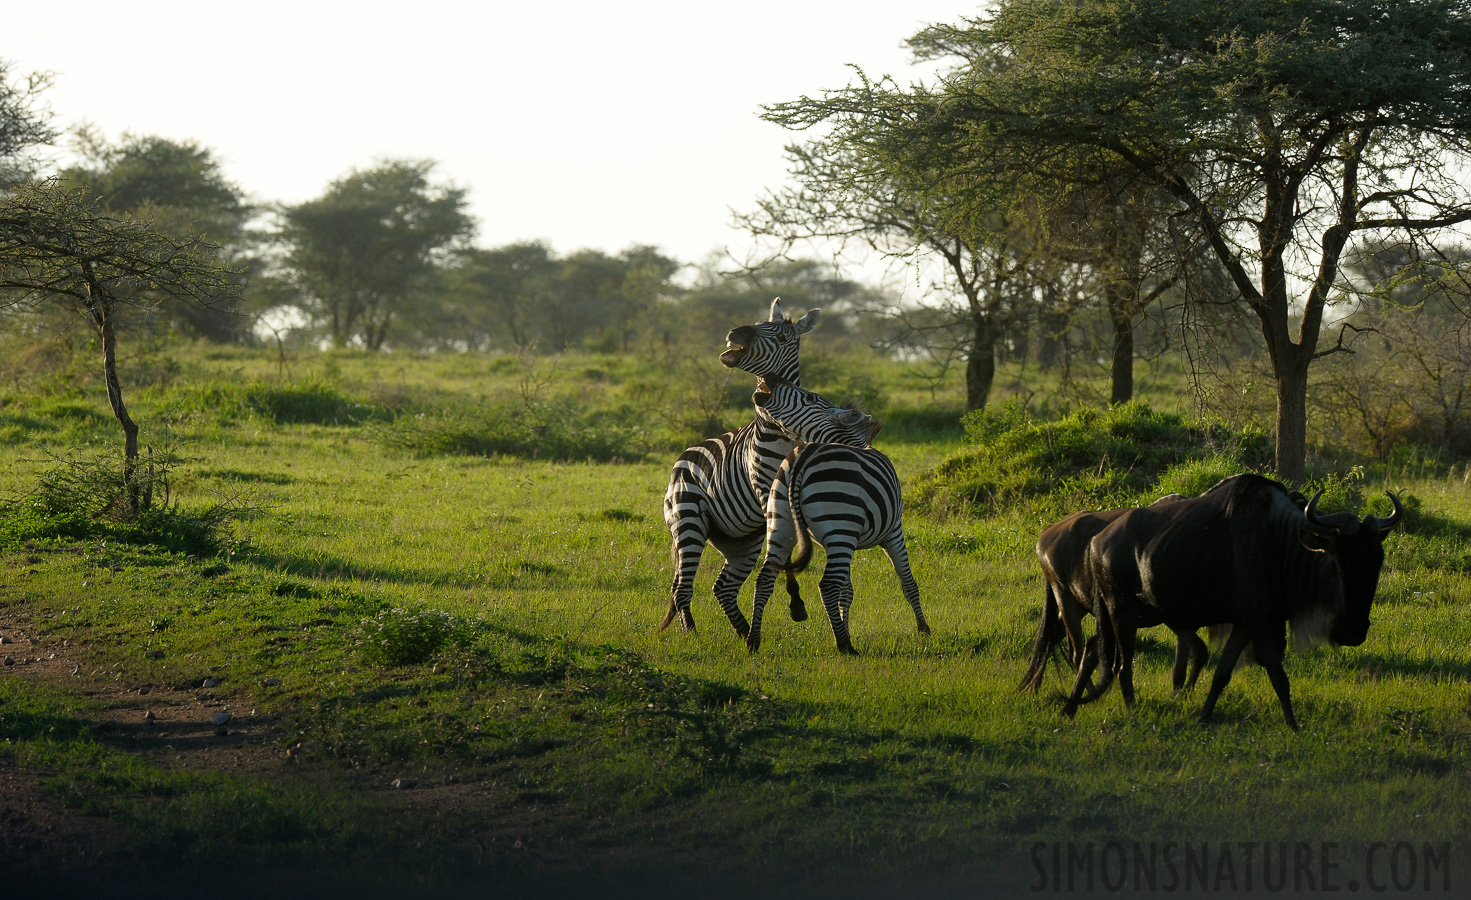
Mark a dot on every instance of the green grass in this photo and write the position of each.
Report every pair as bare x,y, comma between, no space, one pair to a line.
492,618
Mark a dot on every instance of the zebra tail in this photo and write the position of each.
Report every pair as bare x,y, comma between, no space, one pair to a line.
802,553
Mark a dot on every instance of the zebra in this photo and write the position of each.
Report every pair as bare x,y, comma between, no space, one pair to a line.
849,499
714,488
717,489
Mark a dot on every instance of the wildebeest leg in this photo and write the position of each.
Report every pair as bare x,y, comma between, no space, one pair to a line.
689,545
1229,654
1269,651
1084,681
899,556
1071,612
1125,631
1190,655
741,556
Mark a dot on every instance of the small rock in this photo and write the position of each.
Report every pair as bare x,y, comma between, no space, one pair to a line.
149,717
404,784
145,689
220,718
254,711
5,639
9,661
451,779
211,682
272,682
104,725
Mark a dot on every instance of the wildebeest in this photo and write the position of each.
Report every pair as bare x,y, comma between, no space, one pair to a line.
1242,554
1062,553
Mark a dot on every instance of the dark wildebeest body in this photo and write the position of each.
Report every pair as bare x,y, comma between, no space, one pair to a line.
1242,554
1062,553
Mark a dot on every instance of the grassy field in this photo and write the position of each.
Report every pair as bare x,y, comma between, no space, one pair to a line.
480,631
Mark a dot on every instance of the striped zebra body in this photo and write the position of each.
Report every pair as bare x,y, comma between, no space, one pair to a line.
718,487
848,499
715,496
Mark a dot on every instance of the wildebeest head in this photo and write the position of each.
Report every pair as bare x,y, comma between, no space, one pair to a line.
804,416
769,348
1357,546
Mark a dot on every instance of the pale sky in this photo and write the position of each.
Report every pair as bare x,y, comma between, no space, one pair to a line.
585,124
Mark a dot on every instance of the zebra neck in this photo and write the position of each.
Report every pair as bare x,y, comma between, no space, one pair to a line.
790,373
764,446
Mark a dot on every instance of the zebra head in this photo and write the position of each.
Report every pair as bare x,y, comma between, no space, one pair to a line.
806,417
769,348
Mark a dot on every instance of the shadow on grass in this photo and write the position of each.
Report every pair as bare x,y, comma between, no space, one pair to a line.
335,568
1382,664
522,574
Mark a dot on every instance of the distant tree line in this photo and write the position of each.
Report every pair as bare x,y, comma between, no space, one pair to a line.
1275,191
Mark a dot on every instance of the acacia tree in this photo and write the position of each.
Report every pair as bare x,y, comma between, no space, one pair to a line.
24,125
372,244
1286,129
55,246
179,188
985,262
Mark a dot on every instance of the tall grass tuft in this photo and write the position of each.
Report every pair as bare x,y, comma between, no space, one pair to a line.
309,402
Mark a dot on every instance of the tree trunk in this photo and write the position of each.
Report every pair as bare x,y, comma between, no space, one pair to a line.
1052,326
1292,423
980,367
102,318
1121,369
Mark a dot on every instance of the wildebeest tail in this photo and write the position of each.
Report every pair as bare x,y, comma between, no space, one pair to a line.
1049,635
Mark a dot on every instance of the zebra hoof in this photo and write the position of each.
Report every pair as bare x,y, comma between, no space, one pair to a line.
847,650
753,643
924,628
799,611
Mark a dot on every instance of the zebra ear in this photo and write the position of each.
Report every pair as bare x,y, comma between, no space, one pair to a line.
808,322
776,314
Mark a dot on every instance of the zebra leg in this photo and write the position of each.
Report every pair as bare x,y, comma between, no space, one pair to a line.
765,584
836,589
899,556
799,609
741,555
689,545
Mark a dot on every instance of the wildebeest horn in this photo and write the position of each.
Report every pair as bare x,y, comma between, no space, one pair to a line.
1311,510
1384,525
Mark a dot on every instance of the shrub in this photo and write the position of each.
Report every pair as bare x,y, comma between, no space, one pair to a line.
1196,476
81,497
510,429
401,637
284,403
1091,458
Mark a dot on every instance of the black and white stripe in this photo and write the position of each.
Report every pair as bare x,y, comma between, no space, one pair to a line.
848,498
